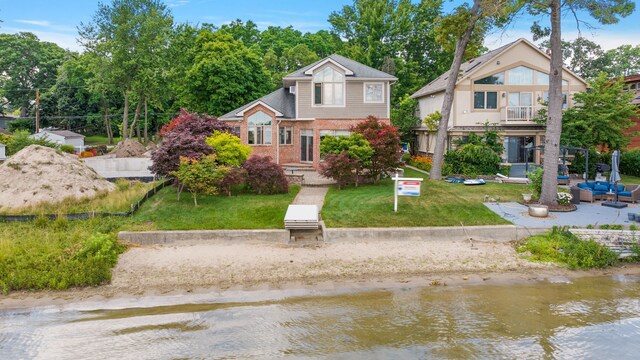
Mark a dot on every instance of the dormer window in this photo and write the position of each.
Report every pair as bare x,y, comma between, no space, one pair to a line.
328,87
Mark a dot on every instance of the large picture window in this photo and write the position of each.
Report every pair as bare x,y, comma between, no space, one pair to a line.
545,98
485,100
520,75
259,128
328,87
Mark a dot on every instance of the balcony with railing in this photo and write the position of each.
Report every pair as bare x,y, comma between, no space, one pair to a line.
520,114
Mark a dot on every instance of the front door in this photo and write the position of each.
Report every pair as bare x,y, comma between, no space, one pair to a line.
306,145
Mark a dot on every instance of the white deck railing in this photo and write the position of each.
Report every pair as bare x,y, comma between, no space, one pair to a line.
521,113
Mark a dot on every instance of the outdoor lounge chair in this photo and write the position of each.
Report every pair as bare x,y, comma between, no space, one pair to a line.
511,180
586,195
631,193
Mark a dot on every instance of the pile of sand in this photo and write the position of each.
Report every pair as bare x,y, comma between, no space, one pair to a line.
129,148
40,174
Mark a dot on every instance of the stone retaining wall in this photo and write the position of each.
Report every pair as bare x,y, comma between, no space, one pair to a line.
168,237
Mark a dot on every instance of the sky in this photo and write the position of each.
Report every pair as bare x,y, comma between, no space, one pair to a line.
57,20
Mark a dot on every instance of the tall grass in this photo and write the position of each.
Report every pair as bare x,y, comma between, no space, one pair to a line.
120,200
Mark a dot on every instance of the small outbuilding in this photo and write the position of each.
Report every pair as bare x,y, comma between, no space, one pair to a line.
62,137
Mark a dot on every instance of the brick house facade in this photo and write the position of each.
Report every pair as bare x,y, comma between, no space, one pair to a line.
327,97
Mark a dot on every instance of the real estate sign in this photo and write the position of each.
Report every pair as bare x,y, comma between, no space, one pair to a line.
405,187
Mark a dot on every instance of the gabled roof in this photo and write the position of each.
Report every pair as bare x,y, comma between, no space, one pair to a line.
280,100
473,65
359,70
64,133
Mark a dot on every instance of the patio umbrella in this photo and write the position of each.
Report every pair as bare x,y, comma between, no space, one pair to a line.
614,177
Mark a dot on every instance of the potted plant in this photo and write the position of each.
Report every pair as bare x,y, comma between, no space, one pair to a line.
527,197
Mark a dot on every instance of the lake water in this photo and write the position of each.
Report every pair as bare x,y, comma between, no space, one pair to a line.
588,318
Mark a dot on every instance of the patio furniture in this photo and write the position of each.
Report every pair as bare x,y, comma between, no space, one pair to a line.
585,194
511,180
593,191
563,180
630,194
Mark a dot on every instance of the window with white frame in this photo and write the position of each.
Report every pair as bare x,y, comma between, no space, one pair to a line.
328,87
373,92
485,100
545,98
259,128
286,135
495,79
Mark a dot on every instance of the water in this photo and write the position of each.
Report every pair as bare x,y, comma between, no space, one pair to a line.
589,318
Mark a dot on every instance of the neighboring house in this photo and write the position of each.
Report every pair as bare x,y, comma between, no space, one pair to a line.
504,87
62,137
324,98
3,153
5,120
633,84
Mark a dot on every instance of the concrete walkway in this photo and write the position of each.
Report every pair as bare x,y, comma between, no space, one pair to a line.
586,214
311,196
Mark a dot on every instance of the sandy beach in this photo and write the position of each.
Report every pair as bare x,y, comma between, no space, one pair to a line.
202,267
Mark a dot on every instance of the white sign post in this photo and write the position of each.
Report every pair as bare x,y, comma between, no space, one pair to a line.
405,187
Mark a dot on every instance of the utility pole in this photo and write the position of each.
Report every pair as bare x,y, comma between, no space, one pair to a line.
37,110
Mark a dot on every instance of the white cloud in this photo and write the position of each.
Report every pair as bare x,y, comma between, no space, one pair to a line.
64,40
34,22
46,24
177,3
607,39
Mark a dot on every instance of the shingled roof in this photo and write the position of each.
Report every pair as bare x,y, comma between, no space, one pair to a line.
65,134
280,100
440,83
359,70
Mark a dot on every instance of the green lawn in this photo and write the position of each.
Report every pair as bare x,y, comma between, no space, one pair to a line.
245,211
628,179
440,204
100,140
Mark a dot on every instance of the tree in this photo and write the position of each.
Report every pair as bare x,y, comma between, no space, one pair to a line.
229,148
26,63
186,139
585,57
131,37
462,24
385,143
605,12
403,116
225,74
354,146
601,116
198,176
622,61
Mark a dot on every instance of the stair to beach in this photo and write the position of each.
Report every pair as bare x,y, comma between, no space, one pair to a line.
306,236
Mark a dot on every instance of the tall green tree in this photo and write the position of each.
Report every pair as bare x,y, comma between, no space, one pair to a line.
131,36
605,12
601,115
225,74
622,61
463,23
26,63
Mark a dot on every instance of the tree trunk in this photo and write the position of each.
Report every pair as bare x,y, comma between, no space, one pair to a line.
461,46
135,119
125,116
146,123
107,125
554,122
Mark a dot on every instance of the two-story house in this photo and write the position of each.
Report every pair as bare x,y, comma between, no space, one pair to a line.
504,87
327,97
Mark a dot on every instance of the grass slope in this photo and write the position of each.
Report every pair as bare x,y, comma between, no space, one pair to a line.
440,204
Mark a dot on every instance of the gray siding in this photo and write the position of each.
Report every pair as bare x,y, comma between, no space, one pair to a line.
355,106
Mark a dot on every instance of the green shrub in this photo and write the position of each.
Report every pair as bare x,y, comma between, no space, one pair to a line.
561,246
472,159
69,149
535,176
630,163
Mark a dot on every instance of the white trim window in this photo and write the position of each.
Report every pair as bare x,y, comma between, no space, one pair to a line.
373,93
520,75
487,100
328,87
259,128
286,135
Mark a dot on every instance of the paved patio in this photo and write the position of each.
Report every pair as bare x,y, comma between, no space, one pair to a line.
587,214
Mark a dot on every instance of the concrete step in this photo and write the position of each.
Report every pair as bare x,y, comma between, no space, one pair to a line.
306,236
